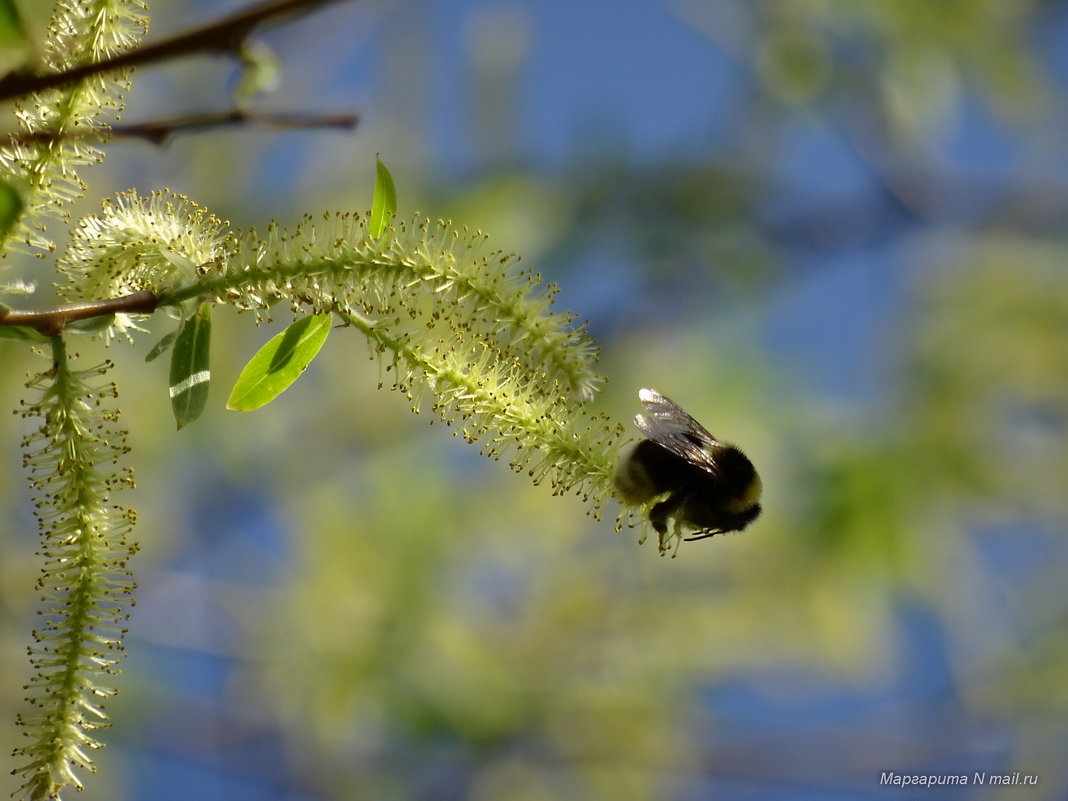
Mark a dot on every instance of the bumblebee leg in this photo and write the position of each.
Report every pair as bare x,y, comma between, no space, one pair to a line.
703,535
660,513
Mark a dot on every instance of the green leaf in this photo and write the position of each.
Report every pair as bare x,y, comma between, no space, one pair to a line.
21,332
260,73
161,347
12,31
191,367
384,204
279,363
10,206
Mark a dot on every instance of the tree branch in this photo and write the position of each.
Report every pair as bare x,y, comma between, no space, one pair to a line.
51,321
223,36
159,131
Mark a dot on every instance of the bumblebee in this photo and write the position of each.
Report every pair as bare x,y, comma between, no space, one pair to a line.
710,487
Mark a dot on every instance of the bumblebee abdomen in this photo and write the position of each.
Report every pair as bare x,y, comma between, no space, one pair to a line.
634,485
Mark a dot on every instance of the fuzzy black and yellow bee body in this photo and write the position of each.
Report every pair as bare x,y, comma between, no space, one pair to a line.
707,487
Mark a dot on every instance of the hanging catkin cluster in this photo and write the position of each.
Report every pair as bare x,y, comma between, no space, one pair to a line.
454,325
71,459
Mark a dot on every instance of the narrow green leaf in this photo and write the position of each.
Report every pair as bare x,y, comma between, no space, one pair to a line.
161,347
10,207
279,363
191,367
22,332
384,204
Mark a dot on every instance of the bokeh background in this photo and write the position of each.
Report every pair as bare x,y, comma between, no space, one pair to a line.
833,231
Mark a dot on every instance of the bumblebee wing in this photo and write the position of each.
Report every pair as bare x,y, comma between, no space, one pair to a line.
668,425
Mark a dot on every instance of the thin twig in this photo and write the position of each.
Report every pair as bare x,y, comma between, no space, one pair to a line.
51,321
159,131
222,36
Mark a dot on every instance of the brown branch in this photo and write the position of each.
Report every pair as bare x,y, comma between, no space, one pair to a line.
159,131
51,321
222,36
